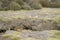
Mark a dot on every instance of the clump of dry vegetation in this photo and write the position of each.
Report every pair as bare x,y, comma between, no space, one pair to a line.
18,5
28,4
56,35
14,35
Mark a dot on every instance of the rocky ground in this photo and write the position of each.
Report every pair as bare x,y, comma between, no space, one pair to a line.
31,35
44,19
41,24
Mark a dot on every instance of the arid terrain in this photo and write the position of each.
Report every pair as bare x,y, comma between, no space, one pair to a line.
43,24
29,19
